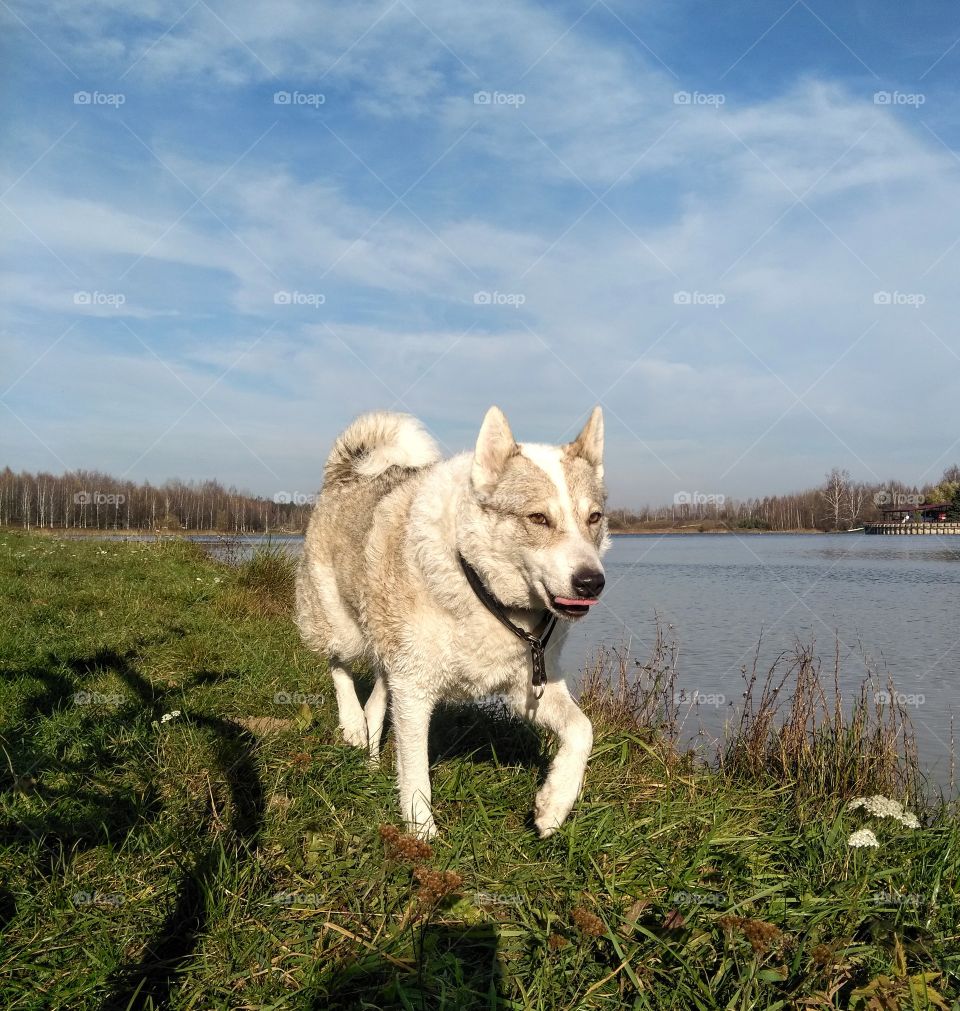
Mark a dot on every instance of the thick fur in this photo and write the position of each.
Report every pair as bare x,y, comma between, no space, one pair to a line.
380,581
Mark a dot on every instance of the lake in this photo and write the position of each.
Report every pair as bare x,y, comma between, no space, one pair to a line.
893,602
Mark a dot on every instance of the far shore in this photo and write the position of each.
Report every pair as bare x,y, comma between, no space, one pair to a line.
129,532
148,532
618,532
635,531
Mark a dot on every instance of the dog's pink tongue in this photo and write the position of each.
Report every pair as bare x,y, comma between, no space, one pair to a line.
570,601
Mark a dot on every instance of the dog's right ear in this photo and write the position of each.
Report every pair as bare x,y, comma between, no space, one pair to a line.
495,446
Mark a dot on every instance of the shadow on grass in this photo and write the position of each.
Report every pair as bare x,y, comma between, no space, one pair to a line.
485,733
149,983
457,968
76,817
71,817
8,907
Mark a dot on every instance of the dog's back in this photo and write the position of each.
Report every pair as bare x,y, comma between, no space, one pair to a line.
374,456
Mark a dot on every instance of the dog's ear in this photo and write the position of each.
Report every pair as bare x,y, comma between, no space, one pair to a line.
495,445
588,445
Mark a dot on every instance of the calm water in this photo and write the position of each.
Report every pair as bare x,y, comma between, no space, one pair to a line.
894,603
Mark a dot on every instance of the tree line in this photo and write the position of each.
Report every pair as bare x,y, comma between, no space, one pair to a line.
84,499
840,503
87,499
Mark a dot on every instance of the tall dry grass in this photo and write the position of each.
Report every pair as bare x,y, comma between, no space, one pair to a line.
796,726
631,695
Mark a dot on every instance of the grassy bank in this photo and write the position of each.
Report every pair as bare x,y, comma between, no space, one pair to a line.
234,855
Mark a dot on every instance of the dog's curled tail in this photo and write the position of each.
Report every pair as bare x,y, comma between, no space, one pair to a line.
374,443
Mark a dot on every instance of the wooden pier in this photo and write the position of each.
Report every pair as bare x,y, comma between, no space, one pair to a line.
930,529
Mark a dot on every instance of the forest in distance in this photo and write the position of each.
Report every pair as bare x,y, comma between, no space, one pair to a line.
91,500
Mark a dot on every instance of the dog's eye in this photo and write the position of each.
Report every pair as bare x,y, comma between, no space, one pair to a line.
594,518
539,518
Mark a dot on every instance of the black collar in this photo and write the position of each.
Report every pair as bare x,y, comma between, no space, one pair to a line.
536,640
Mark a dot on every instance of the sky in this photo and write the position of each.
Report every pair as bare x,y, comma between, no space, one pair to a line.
229,228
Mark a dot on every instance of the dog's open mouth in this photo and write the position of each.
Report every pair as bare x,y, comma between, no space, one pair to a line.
574,606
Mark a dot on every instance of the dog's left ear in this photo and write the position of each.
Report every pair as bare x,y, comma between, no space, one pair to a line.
495,446
588,445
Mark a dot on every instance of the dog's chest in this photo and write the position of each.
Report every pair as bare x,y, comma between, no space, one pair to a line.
481,665
486,659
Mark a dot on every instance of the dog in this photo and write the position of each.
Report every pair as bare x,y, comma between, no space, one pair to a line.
455,579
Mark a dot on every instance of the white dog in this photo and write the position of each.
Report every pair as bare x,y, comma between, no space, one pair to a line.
449,577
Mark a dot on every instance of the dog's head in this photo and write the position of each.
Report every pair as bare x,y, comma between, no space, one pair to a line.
536,527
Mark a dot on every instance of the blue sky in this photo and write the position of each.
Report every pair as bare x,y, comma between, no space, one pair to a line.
229,228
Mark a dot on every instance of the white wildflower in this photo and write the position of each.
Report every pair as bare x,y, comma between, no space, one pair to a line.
885,807
167,717
862,837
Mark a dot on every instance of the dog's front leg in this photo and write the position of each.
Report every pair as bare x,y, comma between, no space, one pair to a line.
411,729
557,711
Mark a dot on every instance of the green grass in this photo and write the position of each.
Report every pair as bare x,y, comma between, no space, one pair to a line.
231,857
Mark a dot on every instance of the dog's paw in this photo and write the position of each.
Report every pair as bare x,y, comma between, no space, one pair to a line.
425,830
355,733
549,811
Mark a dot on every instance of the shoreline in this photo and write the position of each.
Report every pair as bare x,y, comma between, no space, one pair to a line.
642,531
123,532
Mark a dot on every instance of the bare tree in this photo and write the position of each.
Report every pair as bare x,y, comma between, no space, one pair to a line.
834,494
856,500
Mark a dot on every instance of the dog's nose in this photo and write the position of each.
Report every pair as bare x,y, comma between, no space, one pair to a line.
588,582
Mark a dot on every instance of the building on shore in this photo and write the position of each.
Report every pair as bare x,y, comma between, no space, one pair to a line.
922,518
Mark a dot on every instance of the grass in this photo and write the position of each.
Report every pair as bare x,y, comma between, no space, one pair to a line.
237,856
